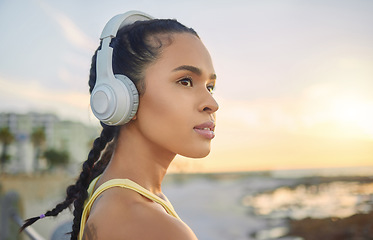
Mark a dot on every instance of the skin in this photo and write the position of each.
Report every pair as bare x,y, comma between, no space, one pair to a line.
176,99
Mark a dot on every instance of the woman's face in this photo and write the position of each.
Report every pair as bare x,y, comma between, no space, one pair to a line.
176,111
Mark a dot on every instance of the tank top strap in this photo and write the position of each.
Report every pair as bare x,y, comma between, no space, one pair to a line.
124,183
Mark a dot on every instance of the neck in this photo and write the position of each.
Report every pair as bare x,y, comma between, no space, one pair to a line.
139,160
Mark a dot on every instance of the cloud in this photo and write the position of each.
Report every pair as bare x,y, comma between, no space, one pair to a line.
70,30
328,110
24,96
74,34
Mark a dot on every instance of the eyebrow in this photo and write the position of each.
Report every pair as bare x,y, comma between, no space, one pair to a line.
194,70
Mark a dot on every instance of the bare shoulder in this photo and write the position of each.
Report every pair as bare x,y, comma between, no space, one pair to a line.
124,214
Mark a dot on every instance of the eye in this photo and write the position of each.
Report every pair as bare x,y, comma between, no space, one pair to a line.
211,88
186,81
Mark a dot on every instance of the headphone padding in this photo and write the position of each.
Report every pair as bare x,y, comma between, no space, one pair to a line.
133,99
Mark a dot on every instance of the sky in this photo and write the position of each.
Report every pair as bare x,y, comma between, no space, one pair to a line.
295,78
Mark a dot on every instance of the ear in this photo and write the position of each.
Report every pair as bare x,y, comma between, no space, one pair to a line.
134,117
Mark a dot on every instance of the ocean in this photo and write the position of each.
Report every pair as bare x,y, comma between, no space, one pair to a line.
259,205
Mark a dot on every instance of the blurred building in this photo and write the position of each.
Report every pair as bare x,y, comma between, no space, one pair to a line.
74,137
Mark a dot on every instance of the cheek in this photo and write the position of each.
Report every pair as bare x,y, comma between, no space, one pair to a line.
163,108
163,116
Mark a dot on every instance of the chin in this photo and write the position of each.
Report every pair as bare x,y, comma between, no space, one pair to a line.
196,153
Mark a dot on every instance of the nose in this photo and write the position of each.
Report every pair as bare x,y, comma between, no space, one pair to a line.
209,104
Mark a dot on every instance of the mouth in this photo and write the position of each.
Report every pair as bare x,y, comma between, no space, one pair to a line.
206,130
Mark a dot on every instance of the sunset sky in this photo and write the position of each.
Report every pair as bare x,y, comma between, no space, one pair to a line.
295,78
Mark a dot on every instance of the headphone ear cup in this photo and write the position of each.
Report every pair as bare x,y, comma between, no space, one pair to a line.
117,103
103,102
131,103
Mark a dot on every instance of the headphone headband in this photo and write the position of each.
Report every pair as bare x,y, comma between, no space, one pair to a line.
105,54
121,20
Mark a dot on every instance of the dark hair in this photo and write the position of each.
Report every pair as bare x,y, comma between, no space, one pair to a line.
134,48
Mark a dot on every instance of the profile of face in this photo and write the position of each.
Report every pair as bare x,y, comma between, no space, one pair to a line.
177,110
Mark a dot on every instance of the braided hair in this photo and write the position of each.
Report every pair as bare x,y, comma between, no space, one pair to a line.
134,48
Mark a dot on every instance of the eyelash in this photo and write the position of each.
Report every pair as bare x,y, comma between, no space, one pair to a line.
211,88
186,80
189,82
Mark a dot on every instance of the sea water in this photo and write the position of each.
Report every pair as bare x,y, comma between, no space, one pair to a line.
258,206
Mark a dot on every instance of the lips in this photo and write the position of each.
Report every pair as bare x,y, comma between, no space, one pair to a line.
206,129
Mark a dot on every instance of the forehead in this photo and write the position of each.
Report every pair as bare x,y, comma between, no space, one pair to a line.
185,49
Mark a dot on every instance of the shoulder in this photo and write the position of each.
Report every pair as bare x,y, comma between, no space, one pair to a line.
124,214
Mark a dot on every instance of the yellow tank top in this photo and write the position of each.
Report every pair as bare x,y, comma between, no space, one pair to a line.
125,183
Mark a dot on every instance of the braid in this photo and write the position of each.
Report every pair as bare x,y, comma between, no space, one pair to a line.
104,160
54,212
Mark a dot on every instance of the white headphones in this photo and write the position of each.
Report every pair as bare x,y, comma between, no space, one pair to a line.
114,99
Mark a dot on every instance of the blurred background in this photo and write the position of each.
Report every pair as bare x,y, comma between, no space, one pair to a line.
293,150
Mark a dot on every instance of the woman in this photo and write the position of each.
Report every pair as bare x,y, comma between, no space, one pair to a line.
174,76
